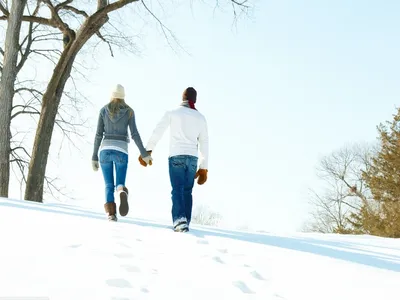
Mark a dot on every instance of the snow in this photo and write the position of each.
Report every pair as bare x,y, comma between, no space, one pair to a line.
62,251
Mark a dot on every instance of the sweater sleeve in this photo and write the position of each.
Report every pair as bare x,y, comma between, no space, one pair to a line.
158,131
98,137
136,136
203,141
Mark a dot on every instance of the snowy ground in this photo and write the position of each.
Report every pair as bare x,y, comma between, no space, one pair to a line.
66,252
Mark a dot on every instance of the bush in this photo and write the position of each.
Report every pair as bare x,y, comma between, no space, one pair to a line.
203,215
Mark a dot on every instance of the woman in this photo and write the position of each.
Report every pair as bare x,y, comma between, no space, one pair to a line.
112,141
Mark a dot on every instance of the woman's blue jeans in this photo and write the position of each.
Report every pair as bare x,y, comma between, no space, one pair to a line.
108,160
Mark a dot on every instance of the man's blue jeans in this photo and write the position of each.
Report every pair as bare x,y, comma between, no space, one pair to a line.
182,170
108,160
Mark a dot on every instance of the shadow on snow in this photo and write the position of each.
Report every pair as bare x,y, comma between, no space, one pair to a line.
338,250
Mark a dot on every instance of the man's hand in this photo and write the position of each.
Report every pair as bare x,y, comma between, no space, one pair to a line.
202,175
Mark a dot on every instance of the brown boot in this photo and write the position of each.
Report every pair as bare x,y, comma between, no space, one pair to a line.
123,206
111,211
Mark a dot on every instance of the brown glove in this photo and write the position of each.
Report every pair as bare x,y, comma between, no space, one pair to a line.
142,162
202,174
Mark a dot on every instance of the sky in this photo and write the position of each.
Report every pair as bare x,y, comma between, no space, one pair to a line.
280,88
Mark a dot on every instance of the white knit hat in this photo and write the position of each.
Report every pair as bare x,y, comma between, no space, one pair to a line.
118,92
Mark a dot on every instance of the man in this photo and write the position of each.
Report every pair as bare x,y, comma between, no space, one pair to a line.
188,129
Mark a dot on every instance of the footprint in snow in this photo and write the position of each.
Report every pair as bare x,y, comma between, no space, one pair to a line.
75,246
144,290
117,237
202,242
124,245
118,298
131,268
256,275
218,259
246,266
242,287
238,255
224,251
138,240
124,255
119,283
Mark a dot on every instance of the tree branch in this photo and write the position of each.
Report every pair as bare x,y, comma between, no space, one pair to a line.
21,148
29,40
40,20
4,10
1,65
83,13
25,112
75,10
63,4
31,90
25,54
240,3
56,17
104,10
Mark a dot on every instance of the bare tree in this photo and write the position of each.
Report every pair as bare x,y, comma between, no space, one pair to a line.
203,215
8,76
344,191
35,48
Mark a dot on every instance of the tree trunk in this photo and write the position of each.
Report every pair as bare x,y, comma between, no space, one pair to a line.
8,76
50,103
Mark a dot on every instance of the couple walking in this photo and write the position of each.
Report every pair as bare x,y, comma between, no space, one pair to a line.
188,135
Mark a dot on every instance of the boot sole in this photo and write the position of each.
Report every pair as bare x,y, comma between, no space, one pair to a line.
181,227
123,206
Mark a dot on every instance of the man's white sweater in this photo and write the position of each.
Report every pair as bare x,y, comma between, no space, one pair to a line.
188,134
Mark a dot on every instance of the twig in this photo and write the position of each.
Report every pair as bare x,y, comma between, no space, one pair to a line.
164,29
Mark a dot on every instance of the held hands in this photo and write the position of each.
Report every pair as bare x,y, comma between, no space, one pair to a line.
202,175
148,160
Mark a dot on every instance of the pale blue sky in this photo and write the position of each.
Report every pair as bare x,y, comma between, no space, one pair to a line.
295,82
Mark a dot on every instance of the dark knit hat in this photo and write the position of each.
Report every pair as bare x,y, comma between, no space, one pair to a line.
190,94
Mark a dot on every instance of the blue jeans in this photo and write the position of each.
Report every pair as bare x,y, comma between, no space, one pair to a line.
109,159
182,170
